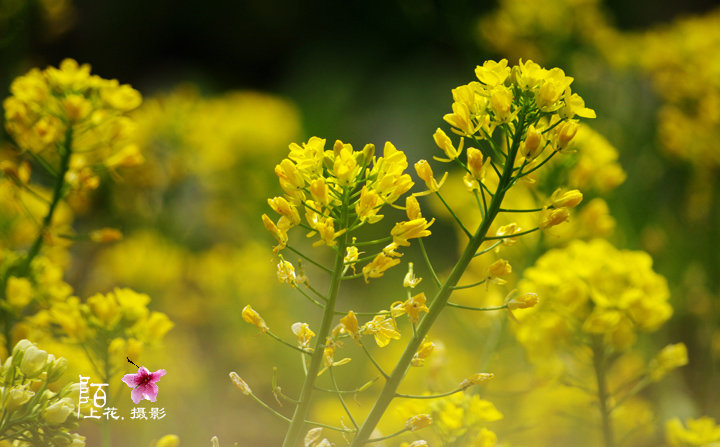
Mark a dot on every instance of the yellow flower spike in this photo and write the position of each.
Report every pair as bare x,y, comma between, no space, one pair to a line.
423,352
368,206
410,281
508,230
412,229
382,328
554,217
564,198
18,292
252,317
320,192
280,236
281,206
286,272
240,383
412,208
524,301
303,333
531,146
476,379
418,422
669,358
476,164
444,143
350,325
377,267
493,73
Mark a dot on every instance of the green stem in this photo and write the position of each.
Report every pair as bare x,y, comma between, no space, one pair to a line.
438,303
600,365
294,433
106,433
65,153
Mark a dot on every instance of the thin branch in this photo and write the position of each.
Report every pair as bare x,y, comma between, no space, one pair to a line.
481,309
316,264
429,265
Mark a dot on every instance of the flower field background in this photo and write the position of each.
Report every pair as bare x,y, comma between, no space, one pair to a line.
169,126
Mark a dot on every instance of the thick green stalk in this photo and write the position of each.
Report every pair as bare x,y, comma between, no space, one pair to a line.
295,432
65,153
600,366
438,303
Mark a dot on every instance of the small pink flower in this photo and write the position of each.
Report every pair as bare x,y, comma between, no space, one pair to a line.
143,384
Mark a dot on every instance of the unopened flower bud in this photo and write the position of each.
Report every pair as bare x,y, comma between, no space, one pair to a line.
566,133
531,146
476,379
168,441
106,235
56,369
418,422
670,357
240,383
568,199
254,318
499,268
58,412
554,217
17,397
524,301
33,361
475,163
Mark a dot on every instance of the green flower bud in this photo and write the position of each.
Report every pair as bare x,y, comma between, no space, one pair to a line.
21,346
56,369
17,397
33,361
58,412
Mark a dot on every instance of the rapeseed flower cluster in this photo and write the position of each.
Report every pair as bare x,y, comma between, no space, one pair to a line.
335,192
598,291
80,119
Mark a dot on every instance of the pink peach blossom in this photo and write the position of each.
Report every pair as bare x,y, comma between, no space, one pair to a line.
143,384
